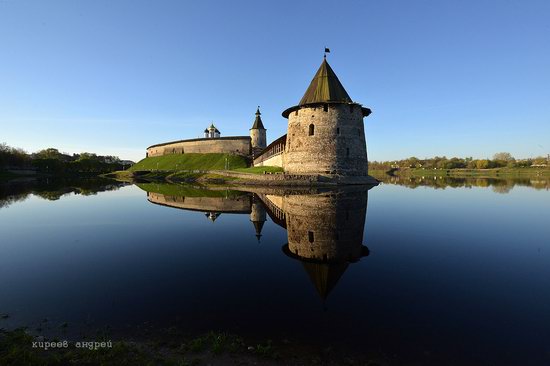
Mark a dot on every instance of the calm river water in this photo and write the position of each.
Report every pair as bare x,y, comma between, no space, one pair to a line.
453,270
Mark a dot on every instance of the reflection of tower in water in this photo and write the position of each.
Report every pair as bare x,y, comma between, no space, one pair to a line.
325,233
257,216
212,216
325,230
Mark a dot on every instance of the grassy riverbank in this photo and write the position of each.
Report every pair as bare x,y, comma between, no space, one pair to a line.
169,176
185,167
464,173
18,347
168,348
260,169
174,162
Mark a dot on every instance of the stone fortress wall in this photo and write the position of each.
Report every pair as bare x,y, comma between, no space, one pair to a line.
273,154
327,138
239,145
276,160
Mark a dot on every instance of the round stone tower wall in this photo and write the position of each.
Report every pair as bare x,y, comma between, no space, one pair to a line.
258,138
326,139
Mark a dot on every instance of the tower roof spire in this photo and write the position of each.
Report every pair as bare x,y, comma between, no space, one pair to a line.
325,87
258,125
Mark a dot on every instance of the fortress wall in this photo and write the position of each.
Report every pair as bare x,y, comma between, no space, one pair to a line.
337,146
226,145
273,152
240,204
276,160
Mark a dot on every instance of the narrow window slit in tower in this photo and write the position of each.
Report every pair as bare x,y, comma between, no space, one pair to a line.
310,236
347,151
311,129
337,130
325,107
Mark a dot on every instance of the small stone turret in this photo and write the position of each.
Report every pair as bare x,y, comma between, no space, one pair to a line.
258,134
325,130
257,216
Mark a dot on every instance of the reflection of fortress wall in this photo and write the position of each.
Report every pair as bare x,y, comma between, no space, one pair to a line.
229,145
326,227
239,204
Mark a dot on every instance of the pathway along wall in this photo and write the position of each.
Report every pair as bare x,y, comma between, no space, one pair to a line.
326,139
226,145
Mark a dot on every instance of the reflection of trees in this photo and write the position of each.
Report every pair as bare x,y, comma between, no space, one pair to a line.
499,185
54,189
6,201
502,189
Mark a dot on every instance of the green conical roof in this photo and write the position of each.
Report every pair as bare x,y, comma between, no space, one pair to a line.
325,87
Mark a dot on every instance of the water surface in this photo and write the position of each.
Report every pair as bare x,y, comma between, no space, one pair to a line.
455,270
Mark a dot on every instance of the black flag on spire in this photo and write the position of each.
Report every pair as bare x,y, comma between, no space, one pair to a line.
327,50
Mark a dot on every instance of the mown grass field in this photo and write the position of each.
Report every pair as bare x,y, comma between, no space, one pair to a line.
175,162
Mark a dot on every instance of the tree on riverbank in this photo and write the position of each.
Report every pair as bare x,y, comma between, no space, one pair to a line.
499,160
52,161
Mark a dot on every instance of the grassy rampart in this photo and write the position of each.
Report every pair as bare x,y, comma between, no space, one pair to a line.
176,162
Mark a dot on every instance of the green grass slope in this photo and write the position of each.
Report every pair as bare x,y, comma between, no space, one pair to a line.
261,169
190,162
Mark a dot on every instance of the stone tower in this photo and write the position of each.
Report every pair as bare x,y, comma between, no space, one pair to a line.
326,134
325,233
258,134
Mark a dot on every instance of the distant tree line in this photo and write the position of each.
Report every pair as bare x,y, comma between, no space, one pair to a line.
499,160
55,162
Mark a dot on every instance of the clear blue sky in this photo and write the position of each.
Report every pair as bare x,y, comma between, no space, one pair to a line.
454,78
